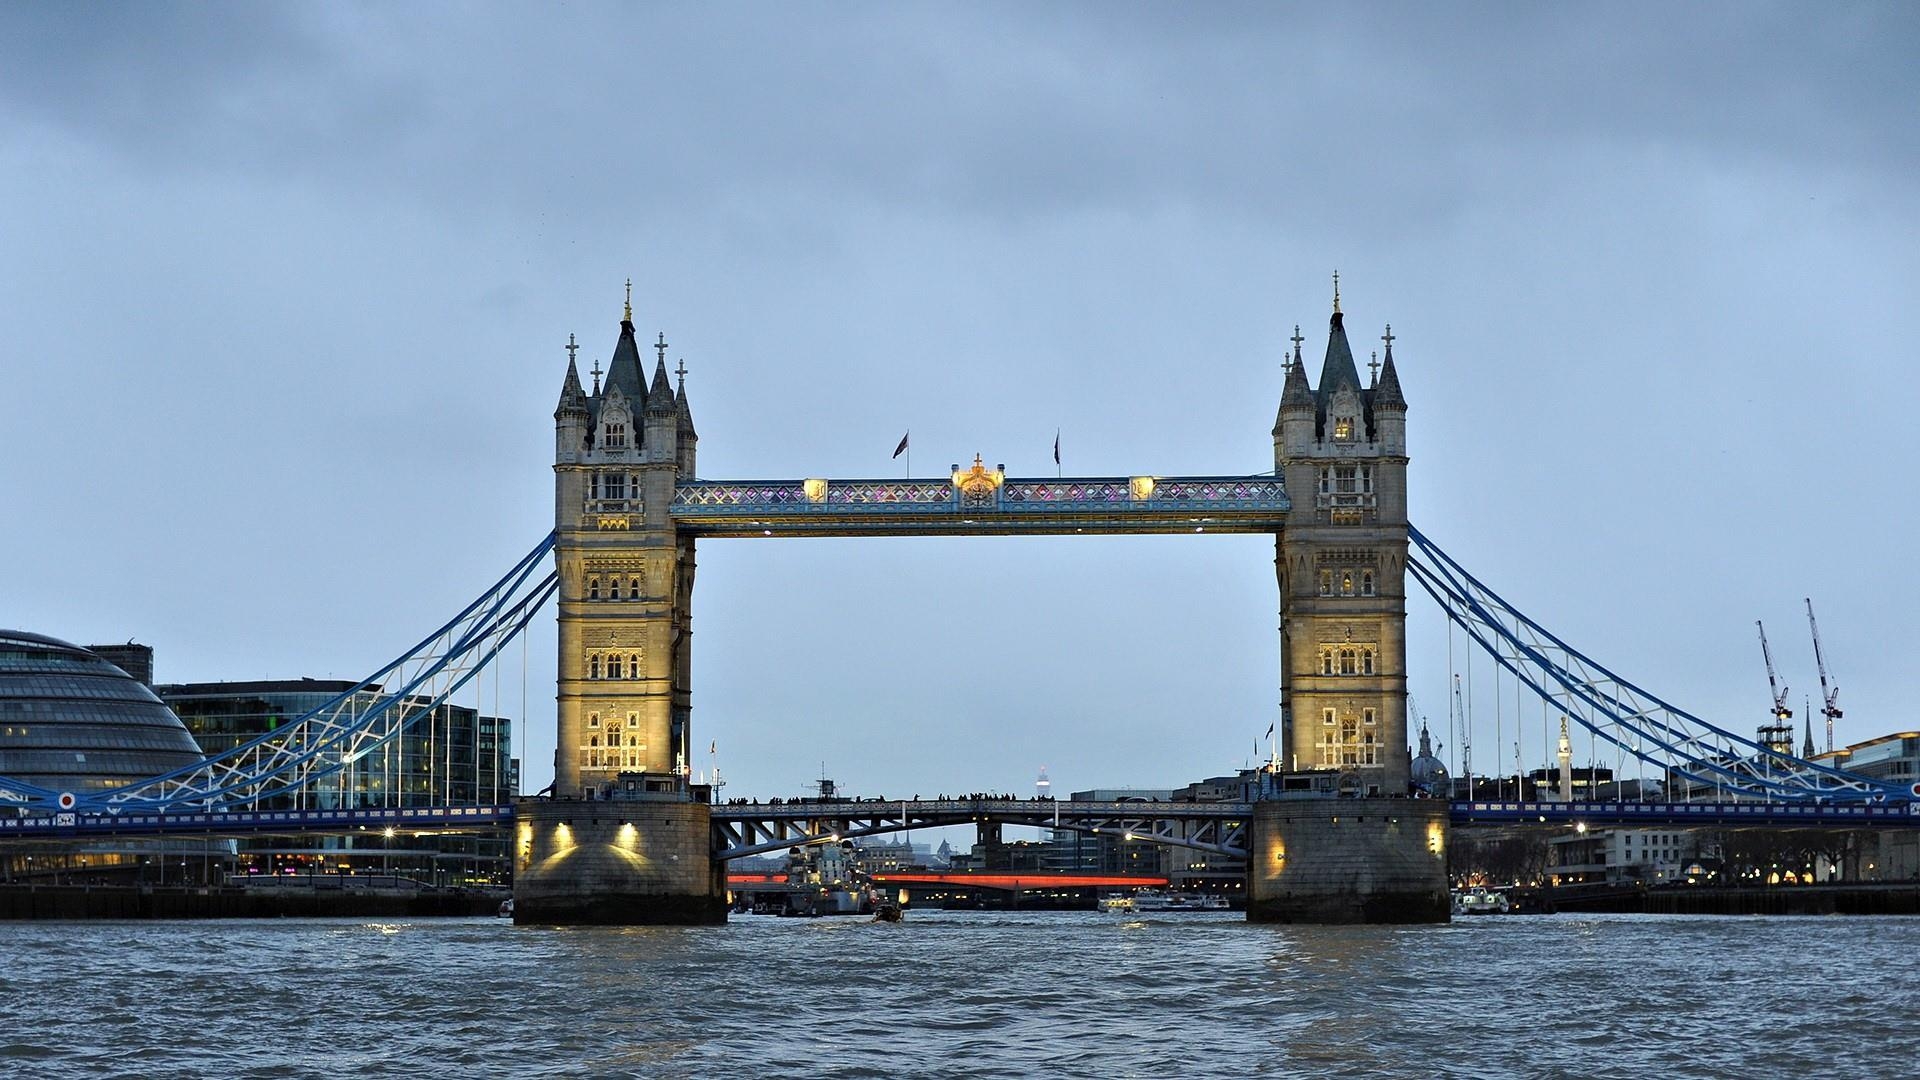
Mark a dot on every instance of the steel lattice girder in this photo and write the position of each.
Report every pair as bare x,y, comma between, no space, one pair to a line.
751,829
748,508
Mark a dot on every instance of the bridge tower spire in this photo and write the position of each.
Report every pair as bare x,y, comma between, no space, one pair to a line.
624,838
1341,447
625,580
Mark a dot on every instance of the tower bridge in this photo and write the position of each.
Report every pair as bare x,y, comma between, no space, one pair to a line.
626,837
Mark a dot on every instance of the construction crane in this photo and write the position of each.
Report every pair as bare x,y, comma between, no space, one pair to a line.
1778,734
1830,694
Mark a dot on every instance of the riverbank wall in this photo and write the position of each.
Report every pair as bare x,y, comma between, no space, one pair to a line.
125,902
1857,899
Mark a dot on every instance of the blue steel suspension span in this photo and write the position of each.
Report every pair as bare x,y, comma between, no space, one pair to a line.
1682,745
338,734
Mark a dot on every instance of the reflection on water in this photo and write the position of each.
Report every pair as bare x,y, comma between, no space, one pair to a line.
963,993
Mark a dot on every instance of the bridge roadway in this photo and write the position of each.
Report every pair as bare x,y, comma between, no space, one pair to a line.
745,829
246,822
1750,815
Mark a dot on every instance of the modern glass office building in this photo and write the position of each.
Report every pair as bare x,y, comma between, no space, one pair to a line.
455,756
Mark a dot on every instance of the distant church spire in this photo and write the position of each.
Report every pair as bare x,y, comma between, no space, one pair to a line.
1336,292
628,317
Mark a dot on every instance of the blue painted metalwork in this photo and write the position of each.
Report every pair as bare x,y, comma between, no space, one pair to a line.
981,503
334,736
745,829
1726,814
1692,753
233,822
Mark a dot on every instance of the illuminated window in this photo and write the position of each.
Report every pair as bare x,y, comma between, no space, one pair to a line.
1346,583
1343,427
1326,583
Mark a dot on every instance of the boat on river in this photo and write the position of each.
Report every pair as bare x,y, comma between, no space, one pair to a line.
1480,901
1155,900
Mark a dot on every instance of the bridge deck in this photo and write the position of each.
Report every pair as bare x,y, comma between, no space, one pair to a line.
1752,815
236,822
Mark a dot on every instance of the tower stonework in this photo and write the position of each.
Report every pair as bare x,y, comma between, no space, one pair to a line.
1373,855
625,838
1342,448
626,577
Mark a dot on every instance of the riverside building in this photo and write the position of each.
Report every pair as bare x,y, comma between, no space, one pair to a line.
456,756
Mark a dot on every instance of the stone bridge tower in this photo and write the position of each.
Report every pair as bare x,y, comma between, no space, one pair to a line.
626,576
1342,448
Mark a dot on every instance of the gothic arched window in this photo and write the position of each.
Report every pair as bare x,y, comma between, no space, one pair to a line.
593,588
1366,583
593,666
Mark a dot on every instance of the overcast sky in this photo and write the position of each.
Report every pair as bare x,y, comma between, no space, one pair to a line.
285,291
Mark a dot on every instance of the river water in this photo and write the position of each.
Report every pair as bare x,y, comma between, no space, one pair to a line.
965,994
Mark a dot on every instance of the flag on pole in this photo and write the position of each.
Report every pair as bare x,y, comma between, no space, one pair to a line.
713,747
902,448
1056,446
1270,728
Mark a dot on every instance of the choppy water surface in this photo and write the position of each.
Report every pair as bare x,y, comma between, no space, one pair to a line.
964,994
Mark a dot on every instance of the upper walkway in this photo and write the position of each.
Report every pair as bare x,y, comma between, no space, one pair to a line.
979,501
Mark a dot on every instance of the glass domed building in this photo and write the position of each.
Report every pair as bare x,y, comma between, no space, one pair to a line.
70,721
